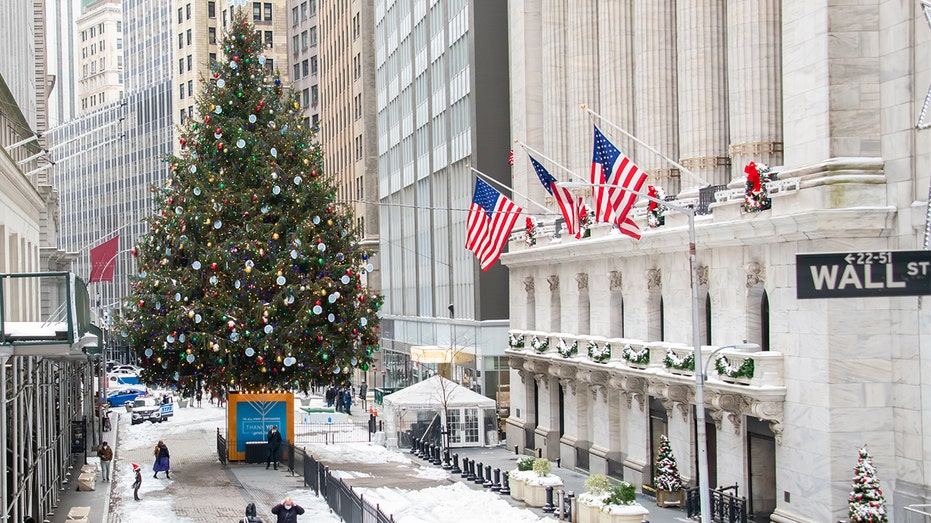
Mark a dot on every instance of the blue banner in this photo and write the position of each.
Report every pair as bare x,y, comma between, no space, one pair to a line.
254,418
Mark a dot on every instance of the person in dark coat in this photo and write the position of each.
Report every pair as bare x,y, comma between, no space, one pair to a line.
347,401
162,461
251,516
287,511
138,481
274,445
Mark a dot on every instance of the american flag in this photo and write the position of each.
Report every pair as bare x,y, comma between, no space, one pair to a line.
610,167
568,203
629,228
491,218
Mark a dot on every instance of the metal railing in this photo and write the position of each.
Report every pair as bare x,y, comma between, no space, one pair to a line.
341,498
725,507
329,433
222,449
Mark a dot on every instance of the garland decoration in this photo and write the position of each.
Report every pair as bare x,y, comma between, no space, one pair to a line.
539,345
726,368
756,195
671,361
566,350
599,354
637,357
656,213
516,341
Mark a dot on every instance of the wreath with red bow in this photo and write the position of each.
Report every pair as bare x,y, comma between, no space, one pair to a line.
531,231
756,195
656,213
586,219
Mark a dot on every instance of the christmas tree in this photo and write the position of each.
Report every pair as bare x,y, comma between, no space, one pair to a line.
667,470
866,503
250,277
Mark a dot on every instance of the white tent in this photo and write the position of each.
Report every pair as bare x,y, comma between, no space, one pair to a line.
437,402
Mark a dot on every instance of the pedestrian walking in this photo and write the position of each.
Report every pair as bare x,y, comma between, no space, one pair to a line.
274,445
287,511
251,516
347,401
338,395
105,454
199,396
138,482
162,460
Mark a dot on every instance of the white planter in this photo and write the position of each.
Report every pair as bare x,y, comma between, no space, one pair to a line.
627,514
535,489
516,484
588,512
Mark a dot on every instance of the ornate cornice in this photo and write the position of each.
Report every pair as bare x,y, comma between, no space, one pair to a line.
582,280
553,280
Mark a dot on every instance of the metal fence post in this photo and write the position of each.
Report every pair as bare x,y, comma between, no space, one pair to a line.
505,487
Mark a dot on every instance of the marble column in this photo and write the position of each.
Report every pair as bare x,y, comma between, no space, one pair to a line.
584,66
655,88
547,431
606,429
754,69
555,79
636,467
702,75
616,81
731,464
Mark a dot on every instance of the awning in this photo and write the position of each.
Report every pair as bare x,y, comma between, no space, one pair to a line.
438,354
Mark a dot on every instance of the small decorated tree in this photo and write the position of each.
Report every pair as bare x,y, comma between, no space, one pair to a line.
667,470
866,502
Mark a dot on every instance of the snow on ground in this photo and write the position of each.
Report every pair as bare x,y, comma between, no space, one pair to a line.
455,503
184,421
356,453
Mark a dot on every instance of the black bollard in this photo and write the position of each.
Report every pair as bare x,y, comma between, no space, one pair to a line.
548,507
479,471
456,469
436,455
567,509
488,483
465,469
446,464
505,487
428,452
496,485
414,446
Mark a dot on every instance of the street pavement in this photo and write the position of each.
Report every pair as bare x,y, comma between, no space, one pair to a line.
201,490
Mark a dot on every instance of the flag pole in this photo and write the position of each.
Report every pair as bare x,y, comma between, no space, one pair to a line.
547,158
506,187
676,164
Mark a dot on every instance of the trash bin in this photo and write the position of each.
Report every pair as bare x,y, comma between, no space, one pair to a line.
256,451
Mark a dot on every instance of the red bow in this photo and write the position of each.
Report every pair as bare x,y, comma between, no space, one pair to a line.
753,177
529,224
651,192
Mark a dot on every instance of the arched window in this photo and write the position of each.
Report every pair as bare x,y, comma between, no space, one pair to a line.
758,316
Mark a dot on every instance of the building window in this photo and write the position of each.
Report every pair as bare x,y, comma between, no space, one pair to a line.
119,43
269,42
313,7
268,11
211,9
358,106
93,32
303,10
294,18
212,35
356,27
190,59
297,71
313,36
212,57
256,11
187,12
294,44
181,66
93,49
189,37
314,98
305,65
313,65
119,26
224,18
180,15
180,40
190,87
84,53
358,148
181,90
102,44
183,115
83,36
357,67
305,97
304,40
270,65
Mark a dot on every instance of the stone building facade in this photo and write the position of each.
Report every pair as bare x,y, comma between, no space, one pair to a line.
602,327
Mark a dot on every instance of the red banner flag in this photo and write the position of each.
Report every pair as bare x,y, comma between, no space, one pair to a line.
102,260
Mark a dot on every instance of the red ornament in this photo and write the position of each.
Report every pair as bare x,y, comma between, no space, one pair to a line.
213,265
220,146
207,119
183,141
218,131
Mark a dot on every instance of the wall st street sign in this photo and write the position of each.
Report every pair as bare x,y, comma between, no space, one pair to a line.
863,274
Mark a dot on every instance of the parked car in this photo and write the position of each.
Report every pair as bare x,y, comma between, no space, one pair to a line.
122,396
132,369
152,409
122,378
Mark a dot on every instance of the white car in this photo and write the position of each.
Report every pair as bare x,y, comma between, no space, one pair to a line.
132,369
152,409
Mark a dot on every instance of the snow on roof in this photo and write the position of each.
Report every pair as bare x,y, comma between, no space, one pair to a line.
429,394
